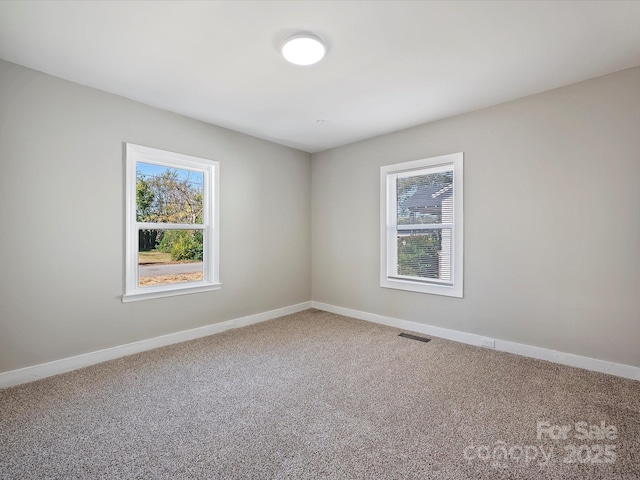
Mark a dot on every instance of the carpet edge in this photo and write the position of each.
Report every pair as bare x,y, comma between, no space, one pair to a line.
36,372
539,353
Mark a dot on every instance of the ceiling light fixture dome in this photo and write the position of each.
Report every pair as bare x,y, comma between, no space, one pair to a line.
303,49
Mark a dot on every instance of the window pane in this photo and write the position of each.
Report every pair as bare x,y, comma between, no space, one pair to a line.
169,256
168,195
425,199
425,254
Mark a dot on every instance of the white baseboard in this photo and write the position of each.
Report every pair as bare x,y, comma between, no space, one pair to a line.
29,374
603,366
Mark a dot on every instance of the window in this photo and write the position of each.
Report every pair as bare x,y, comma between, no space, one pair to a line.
172,224
421,225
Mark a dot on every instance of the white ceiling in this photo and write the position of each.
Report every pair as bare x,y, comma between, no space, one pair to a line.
390,64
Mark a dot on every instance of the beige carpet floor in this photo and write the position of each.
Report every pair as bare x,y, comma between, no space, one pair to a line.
318,395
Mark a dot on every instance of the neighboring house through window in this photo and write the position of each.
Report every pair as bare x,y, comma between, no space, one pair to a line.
421,225
171,224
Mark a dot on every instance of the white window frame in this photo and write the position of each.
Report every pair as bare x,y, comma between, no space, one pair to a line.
389,227
210,223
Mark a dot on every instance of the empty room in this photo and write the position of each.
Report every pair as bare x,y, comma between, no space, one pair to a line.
320,240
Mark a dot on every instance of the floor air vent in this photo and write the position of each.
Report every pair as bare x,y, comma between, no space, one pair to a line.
415,337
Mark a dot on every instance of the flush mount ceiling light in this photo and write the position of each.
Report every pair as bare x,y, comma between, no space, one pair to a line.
303,49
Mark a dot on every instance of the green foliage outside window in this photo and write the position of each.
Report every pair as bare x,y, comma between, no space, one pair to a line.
418,255
170,197
182,244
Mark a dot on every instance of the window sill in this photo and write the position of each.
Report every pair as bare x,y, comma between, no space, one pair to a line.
431,288
182,290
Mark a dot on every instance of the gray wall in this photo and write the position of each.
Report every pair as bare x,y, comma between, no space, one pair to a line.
61,217
552,220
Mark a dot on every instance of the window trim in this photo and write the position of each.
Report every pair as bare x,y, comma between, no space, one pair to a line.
210,226
388,212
